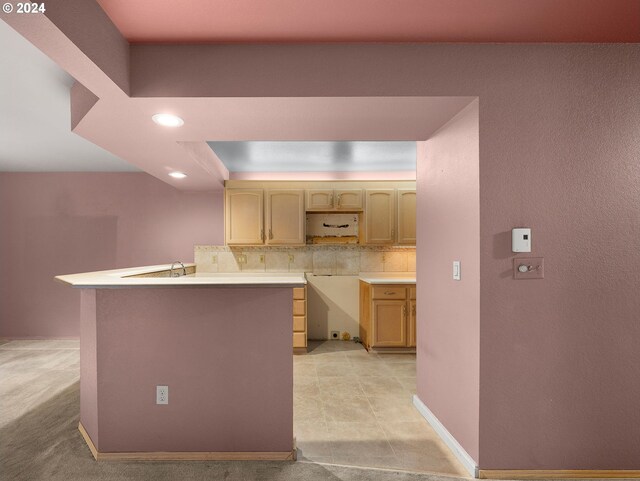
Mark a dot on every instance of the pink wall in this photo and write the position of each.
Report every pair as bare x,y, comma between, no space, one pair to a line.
63,223
448,229
225,354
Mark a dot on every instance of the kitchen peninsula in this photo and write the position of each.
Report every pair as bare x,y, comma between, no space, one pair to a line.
220,342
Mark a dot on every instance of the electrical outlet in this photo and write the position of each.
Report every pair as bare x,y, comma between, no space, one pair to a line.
335,334
242,259
261,258
162,394
290,257
214,259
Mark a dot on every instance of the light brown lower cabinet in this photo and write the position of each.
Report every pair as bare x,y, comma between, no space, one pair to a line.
387,315
299,317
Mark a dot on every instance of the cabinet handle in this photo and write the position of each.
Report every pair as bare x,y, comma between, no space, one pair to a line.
339,195
404,312
270,234
389,293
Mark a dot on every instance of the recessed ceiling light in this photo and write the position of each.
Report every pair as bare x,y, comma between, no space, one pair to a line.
177,175
168,120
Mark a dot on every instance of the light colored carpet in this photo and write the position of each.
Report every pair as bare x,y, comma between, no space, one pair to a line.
39,438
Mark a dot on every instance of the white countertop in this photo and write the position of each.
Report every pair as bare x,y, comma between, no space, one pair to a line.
121,278
388,277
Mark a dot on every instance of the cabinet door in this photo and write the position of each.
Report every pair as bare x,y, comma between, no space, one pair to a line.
348,199
380,216
243,219
406,217
389,324
412,324
319,199
285,217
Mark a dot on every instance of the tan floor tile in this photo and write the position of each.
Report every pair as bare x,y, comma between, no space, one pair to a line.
402,369
306,390
397,357
399,409
334,369
413,431
313,439
304,370
307,410
376,386
368,417
368,369
348,409
409,384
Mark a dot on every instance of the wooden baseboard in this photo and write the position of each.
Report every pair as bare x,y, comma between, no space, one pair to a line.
557,473
87,439
187,456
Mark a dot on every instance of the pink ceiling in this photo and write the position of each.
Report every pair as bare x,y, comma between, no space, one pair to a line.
204,21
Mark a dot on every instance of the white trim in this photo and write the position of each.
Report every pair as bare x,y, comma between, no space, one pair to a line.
467,461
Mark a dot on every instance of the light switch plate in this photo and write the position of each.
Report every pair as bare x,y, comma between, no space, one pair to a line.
456,271
535,266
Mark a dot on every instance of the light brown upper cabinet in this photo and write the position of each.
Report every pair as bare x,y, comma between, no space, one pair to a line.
380,209
334,199
243,217
285,219
406,217
272,217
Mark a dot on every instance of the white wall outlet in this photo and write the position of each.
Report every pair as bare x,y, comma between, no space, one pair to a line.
214,259
162,394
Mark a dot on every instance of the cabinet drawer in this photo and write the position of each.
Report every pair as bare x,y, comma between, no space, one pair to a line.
299,323
299,339
412,293
298,293
299,308
389,292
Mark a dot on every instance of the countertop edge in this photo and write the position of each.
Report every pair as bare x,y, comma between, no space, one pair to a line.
121,279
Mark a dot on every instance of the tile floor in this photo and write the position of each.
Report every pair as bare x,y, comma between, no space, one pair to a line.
355,408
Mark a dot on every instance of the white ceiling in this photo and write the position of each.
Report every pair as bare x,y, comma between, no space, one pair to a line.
253,156
35,126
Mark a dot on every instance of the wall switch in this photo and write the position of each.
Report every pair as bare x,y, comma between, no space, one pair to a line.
162,394
242,259
528,268
290,257
261,258
456,270
214,259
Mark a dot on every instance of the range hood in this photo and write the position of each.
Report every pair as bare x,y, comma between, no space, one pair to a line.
332,228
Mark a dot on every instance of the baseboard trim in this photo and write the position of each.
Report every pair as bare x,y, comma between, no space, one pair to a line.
87,439
465,459
558,473
187,456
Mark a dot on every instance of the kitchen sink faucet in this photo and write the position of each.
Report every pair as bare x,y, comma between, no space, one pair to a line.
177,274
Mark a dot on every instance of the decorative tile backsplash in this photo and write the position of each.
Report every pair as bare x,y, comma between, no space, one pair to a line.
342,260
